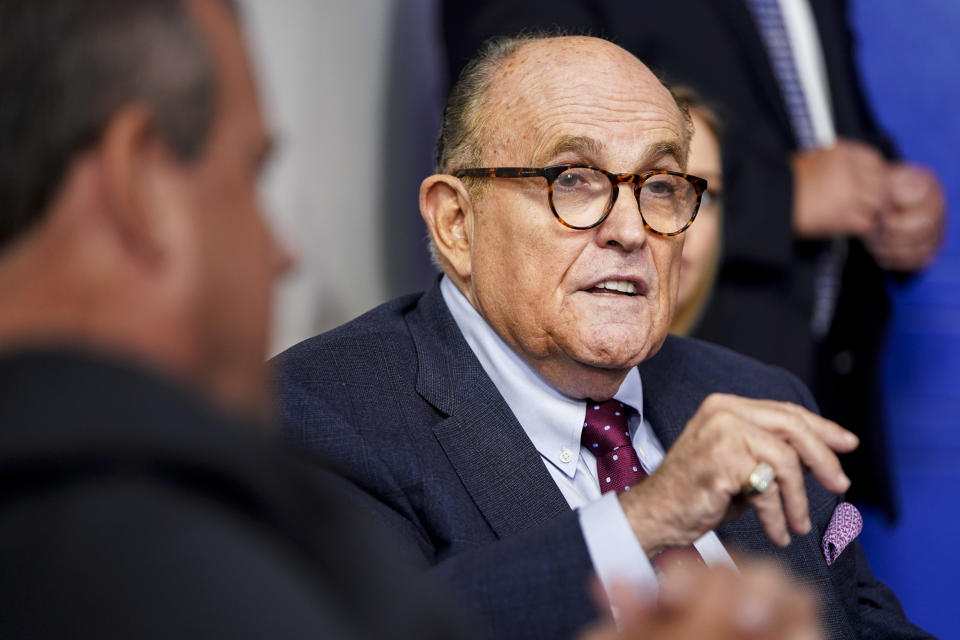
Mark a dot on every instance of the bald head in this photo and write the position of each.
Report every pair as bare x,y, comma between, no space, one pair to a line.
517,77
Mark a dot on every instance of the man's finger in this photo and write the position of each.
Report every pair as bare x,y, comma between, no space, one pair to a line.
861,221
786,464
874,193
908,227
896,257
805,432
832,434
835,436
769,510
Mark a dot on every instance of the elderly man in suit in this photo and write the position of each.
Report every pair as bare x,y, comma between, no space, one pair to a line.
820,211
526,423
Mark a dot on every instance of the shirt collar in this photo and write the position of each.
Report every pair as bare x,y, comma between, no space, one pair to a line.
552,420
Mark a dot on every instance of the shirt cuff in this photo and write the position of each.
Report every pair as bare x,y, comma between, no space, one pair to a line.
617,556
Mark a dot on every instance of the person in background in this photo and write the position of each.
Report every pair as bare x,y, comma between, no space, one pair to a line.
703,241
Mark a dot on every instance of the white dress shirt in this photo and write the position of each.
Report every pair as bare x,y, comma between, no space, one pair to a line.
808,59
553,422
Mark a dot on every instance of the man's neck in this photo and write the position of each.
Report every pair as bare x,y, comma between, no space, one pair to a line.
58,291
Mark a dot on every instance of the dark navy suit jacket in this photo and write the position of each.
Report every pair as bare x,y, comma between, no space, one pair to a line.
398,402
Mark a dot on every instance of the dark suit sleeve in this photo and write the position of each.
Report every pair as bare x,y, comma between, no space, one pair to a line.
533,585
529,586
852,113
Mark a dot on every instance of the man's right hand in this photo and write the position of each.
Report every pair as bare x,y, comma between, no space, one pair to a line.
839,190
700,481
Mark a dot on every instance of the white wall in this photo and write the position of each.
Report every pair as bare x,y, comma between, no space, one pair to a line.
322,71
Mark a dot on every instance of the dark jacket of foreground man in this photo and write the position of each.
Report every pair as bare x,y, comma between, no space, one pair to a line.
130,509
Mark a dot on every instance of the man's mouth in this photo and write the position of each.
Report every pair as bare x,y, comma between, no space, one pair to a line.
615,287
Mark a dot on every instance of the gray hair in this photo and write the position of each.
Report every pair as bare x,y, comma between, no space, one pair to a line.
464,116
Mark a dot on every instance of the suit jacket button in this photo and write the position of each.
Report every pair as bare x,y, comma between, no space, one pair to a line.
843,362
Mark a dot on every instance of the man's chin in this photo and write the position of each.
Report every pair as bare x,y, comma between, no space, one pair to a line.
596,383
611,350
597,372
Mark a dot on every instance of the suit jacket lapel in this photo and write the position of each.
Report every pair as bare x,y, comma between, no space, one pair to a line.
492,455
667,405
738,18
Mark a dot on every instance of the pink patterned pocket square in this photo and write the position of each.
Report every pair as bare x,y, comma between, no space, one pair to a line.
845,525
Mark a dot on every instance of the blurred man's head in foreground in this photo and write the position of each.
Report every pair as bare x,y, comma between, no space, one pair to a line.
131,139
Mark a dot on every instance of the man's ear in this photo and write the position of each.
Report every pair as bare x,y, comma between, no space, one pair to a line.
131,150
448,212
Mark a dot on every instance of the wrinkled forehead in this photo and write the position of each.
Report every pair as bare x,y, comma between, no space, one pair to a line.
566,88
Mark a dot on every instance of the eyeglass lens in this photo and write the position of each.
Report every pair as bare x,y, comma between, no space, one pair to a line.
581,197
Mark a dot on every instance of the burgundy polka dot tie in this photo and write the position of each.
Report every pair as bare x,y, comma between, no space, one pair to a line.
606,433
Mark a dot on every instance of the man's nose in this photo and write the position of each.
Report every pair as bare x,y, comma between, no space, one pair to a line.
624,226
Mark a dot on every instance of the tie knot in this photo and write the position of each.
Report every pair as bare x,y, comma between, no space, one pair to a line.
605,427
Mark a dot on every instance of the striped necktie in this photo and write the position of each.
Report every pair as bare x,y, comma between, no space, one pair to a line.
829,263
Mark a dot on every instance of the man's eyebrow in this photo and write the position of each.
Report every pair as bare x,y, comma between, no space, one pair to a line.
582,146
590,149
671,149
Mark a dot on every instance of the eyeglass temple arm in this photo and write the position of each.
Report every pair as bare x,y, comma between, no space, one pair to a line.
502,172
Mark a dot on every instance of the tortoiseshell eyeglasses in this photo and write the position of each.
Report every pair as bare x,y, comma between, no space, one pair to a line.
582,197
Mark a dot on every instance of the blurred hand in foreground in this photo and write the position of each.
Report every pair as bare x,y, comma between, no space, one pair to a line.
761,603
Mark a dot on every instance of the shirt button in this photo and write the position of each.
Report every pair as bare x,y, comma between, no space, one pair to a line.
565,455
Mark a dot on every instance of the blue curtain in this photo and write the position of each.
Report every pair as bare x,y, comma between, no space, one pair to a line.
908,56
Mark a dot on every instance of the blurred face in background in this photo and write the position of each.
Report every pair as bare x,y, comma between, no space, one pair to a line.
701,248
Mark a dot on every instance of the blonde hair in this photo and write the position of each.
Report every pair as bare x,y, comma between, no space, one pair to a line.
687,316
